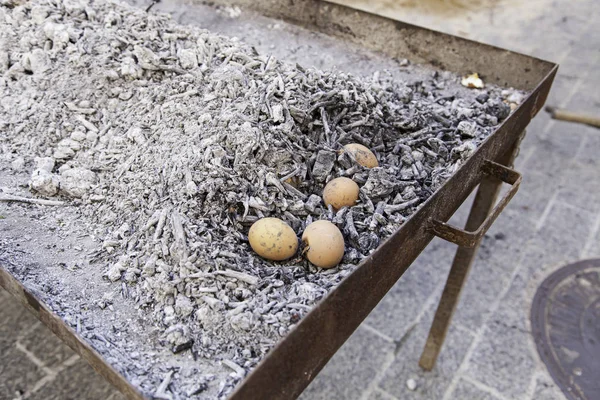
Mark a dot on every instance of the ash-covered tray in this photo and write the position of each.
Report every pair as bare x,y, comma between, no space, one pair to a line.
137,152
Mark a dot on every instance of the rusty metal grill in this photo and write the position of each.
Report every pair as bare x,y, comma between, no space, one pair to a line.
298,358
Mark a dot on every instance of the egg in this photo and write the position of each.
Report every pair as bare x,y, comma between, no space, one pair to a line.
273,239
362,155
340,192
324,243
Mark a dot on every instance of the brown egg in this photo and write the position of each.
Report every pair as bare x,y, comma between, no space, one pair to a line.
362,155
325,244
273,239
340,192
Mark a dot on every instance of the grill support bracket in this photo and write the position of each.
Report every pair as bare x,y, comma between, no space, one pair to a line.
482,215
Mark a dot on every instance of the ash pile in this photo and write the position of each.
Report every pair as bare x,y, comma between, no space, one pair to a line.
172,141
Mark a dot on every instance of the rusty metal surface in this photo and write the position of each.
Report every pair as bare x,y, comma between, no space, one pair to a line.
565,322
297,359
399,39
68,335
466,238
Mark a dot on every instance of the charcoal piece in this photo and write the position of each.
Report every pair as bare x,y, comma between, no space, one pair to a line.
183,346
311,204
323,165
368,241
482,98
467,129
405,95
379,184
498,109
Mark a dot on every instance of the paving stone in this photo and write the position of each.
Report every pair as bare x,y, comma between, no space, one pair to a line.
515,305
551,248
379,394
586,101
588,152
561,238
556,53
481,289
581,185
588,10
46,346
17,373
570,23
540,261
548,251
16,320
116,395
567,227
76,382
360,358
397,311
490,274
555,150
504,360
433,384
506,341
465,390
594,250
575,65
589,46
561,90
533,196
557,44
510,229
593,246
504,26
546,389
593,75
535,130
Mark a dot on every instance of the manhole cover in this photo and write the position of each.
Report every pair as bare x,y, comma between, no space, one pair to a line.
565,319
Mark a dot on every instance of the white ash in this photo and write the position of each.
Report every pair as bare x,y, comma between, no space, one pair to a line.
174,140
411,384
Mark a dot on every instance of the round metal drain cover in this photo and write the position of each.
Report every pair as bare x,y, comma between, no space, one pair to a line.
565,319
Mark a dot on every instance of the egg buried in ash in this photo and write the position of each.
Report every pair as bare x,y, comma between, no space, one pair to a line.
340,192
362,155
324,243
273,239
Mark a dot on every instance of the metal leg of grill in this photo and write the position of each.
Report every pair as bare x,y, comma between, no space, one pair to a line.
482,206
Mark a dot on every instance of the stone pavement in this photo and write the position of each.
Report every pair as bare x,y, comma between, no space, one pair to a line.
489,353
36,365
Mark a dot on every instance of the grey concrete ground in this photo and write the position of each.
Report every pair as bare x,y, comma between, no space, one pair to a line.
489,353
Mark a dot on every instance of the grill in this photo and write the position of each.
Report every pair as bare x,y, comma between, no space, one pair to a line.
292,364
